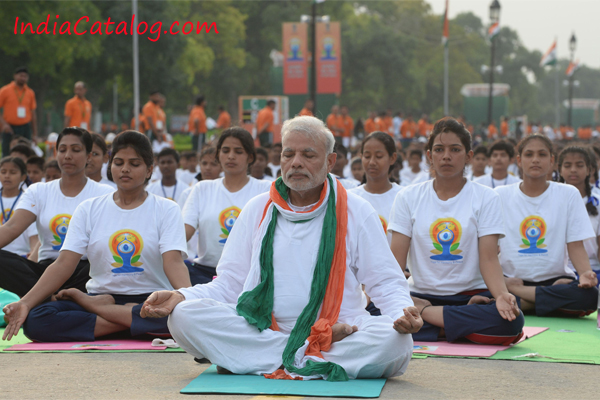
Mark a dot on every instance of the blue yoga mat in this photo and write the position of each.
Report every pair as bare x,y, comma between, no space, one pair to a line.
211,382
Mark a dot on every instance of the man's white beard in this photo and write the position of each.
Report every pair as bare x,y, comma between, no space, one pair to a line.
313,181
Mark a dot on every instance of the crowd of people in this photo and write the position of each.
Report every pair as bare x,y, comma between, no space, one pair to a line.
306,258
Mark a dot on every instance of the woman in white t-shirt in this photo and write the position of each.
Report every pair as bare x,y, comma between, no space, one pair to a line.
129,260
448,229
50,205
541,217
576,165
213,206
13,172
378,157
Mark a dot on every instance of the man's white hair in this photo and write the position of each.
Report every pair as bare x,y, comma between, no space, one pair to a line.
309,126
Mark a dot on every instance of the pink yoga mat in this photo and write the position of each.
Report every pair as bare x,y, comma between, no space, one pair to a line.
83,346
469,349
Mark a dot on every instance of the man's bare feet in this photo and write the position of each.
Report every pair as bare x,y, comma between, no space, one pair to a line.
479,300
340,331
420,303
88,302
563,281
511,283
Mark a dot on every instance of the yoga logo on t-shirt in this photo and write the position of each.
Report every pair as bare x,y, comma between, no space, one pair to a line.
6,214
227,218
126,247
384,223
59,226
533,234
445,234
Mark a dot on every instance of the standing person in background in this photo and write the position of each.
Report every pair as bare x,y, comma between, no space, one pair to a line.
18,105
408,130
334,123
275,156
370,124
78,110
504,127
492,131
347,126
144,126
396,124
224,120
197,123
264,123
423,126
151,112
308,108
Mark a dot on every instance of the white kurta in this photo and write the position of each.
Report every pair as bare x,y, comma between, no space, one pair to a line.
207,325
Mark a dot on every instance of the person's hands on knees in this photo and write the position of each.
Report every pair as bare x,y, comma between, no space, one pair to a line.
507,306
588,279
410,322
15,315
161,304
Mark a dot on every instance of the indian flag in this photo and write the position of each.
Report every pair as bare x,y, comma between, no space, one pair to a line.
550,57
573,66
494,30
446,33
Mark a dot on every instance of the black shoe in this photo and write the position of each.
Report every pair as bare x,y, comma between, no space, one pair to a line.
202,360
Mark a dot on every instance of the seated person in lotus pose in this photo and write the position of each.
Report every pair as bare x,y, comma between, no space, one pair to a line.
129,260
451,227
287,300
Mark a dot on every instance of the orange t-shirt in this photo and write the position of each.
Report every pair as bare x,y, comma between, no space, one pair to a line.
162,117
265,116
370,126
408,129
384,124
504,128
334,122
422,127
492,130
144,126
197,113
347,125
584,133
79,111
150,111
224,120
17,103
305,111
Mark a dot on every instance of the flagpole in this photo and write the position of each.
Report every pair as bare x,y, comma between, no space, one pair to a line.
557,97
136,67
446,112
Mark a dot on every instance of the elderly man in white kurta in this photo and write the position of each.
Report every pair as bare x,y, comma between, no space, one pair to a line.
288,302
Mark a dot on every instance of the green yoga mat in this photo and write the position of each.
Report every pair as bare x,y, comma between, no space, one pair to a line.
568,340
211,382
22,339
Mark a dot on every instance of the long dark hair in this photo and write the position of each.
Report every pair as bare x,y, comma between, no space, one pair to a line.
387,142
590,162
138,142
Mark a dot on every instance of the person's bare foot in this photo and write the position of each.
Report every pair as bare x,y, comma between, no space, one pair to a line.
563,281
420,303
511,283
340,331
88,302
479,300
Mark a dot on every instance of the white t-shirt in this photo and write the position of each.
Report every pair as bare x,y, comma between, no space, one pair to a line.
167,192
126,257
20,245
274,169
192,244
444,251
382,203
186,176
213,210
105,181
591,245
157,146
487,180
53,211
537,229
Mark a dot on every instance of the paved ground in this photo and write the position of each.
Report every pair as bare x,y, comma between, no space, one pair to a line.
162,375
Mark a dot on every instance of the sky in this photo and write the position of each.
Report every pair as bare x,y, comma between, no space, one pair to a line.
539,22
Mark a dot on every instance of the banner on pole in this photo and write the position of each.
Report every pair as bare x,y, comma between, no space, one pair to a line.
295,77
329,58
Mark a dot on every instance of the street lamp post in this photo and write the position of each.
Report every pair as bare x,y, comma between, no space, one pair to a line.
572,46
494,17
313,64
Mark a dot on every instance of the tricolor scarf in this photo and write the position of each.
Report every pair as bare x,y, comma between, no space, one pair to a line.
327,288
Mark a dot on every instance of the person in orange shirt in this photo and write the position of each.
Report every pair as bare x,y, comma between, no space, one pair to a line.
224,120
347,125
264,123
18,105
504,127
197,124
408,130
492,130
389,122
144,126
151,112
78,110
370,125
334,123
308,108
422,126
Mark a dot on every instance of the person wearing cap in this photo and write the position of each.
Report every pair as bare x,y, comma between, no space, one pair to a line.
18,104
78,110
